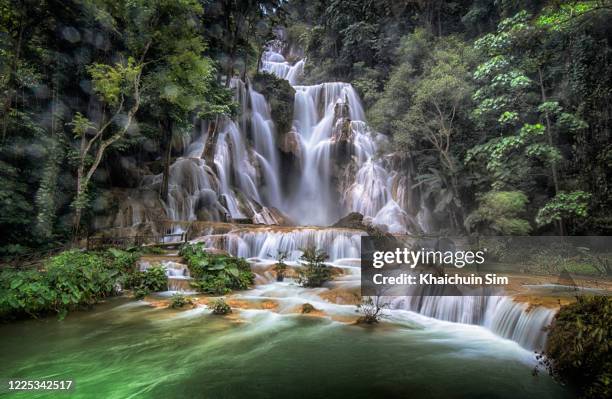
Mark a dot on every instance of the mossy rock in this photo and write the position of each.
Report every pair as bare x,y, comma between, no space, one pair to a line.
280,95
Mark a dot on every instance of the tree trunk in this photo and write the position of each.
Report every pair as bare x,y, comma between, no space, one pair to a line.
78,206
166,126
551,143
211,143
8,103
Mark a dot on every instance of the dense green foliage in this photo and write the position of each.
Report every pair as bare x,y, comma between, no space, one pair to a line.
144,282
314,272
70,280
578,350
499,212
216,274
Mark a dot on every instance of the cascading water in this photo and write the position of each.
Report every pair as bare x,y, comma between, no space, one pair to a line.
341,172
328,117
502,315
267,243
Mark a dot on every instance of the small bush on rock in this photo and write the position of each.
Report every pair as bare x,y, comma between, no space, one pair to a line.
307,308
314,272
179,300
220,307
281,267
371,309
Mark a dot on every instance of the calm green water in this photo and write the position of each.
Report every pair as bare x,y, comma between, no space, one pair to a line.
129,350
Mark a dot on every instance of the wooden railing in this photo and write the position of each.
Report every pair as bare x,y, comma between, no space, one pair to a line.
103,242
106,240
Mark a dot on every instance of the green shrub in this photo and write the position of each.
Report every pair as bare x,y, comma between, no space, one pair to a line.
151,280
579,350
179,300
121,260
214,285
314,272
219,306
281,267
140,293
216,274
70,280
500,212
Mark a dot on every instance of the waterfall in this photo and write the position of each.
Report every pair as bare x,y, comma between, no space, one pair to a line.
267,243
340,167
500,314
329,118
516,321
265,146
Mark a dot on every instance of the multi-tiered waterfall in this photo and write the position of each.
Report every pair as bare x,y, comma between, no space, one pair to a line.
328,119
340,170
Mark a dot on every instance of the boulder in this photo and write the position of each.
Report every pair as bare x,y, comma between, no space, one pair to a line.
353,220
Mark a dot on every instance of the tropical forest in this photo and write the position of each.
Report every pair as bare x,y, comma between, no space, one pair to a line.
187,189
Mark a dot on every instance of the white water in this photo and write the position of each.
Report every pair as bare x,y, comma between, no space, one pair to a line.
340,168
498,314
267,243
329,118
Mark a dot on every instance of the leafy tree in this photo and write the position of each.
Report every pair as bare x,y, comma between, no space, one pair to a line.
506,103
500,212
432,121
115,85
564,206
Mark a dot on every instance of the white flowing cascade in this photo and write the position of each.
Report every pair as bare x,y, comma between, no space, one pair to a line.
327,116
267,243
500,314
243,181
